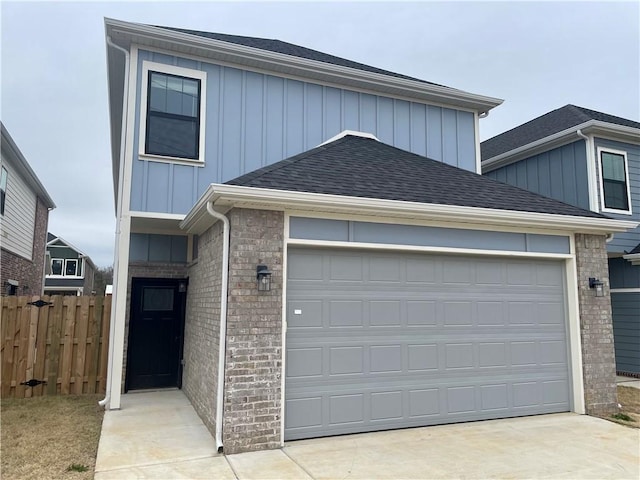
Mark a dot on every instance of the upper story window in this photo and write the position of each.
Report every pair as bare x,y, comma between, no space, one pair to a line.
3,188
69,267
173,107
614,181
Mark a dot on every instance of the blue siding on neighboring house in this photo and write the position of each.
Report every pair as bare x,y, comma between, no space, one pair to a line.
627,241
625,308
560,173
623,275
255,119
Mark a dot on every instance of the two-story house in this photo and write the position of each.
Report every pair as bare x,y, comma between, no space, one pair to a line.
70,272
24,216
306,247
588,159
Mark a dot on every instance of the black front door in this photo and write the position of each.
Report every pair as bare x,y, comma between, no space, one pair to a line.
155,334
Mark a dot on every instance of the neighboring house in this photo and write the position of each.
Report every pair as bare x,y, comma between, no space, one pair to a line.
24,216
297,280
70,271
592,160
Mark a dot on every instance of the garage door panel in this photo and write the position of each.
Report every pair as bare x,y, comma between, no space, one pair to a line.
380,340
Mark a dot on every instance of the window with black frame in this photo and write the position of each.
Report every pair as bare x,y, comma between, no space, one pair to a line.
173,116
3,188
614,181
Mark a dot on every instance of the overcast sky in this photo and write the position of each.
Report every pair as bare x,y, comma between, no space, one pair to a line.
536,56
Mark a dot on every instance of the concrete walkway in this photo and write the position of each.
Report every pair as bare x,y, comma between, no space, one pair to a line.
628,382
158,435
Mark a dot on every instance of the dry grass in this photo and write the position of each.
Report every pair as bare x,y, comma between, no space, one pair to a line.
42,437
629,398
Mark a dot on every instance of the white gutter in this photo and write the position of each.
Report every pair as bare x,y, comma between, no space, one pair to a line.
250,56
591,171
114,298
262,198
557,139
222,347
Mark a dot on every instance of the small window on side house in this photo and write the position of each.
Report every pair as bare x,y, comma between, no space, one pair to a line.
56,266
70,267
3,188
174,113
614,181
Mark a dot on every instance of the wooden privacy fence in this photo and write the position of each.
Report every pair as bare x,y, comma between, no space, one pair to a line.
64,343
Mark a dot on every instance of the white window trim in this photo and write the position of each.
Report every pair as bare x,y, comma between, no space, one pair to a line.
183,72
604,209
79,265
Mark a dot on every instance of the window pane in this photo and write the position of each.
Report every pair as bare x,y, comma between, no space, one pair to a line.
156,299
56,267
614,181
613,167
615,195
3,179
172,136
71,267
158,92
173,116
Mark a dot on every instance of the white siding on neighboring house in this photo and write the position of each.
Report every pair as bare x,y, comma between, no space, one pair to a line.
18,221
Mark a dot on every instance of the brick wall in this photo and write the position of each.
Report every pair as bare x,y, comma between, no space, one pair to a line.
202,327
29,273
596,330
254,333
146,270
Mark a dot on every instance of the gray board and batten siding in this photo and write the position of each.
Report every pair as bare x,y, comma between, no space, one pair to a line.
560,173
624,241
625,308
255,119
382,340
415,235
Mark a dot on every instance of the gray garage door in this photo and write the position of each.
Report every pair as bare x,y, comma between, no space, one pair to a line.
389,340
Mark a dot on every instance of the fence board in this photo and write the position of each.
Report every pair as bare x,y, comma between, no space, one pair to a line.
65,343
80,341
54,348
93,352
41,349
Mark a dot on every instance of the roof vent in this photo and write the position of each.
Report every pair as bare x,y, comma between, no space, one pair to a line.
354,133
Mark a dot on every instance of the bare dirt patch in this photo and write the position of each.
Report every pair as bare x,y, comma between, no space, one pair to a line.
629,399
50,437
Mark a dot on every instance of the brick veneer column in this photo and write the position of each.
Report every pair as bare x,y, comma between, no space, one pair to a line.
254,333
596,328
202,327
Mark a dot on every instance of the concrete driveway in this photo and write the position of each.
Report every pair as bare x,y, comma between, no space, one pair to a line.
158,435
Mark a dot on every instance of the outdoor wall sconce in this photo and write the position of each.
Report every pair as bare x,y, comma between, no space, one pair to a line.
263,276
597,285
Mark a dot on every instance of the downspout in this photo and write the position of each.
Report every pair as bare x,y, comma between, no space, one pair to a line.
114,299
223,321
591,174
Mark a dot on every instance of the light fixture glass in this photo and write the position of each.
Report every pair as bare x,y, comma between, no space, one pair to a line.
263,276
597,285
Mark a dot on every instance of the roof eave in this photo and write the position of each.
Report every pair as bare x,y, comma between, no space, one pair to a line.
594,127
12,151
225,197
126,33
633,258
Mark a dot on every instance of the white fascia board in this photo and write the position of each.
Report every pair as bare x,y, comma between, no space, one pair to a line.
229,196
558,139
634,258
240,54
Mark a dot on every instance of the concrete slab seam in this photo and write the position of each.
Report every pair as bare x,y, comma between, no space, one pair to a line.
166,462
294,461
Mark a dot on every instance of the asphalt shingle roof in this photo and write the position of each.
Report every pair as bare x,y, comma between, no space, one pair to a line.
545,125
279,46
363,167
